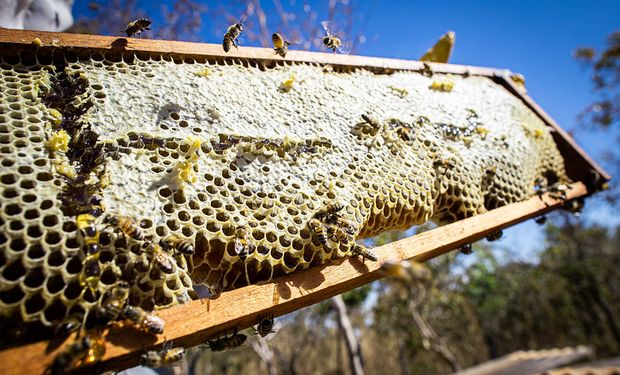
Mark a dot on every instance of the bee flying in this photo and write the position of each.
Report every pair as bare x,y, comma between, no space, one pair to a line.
408,272
137,26
333,42
232,34
280,45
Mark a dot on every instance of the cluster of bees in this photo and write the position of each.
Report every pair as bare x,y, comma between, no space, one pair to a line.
328,225
113,306
332,39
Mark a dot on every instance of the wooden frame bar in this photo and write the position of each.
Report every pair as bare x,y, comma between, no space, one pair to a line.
193,323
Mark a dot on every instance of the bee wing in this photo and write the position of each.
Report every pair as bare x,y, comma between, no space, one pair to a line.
278,41
345,47
329,27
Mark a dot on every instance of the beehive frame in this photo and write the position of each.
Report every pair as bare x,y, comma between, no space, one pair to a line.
187,325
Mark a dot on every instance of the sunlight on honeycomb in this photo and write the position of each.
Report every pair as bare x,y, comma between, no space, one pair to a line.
202,155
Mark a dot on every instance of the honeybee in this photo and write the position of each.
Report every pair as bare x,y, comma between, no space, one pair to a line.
85,349
163,260
226,343
126,225
280,45
265,326
137,26
338,234
151,323
495,235
113,302
363,252
166,356
466,249
243,244
407,272
232,33
319,231
333,42
177,243
329,209
540,220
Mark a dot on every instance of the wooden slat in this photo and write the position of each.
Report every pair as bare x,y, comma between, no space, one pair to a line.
201,50
193,323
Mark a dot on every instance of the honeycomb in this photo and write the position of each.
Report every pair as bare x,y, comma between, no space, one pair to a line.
237,157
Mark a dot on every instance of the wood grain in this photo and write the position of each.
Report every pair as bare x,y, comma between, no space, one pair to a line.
193,323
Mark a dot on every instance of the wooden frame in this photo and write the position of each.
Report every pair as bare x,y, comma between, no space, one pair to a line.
193,323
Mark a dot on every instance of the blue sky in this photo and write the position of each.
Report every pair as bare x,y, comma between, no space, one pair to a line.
535,38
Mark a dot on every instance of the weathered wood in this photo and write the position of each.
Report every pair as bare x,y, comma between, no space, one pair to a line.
193,323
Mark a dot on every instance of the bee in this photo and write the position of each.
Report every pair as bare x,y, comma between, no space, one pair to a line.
243,244
445,163
137,26
85,349
495,235
466,249
126,225
113,303
338,234
329,209
177,243
407,272
331,41
163,260
226,343
319,231
540,220
280,45
232,33
363,252
166,356
265,326
151,323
